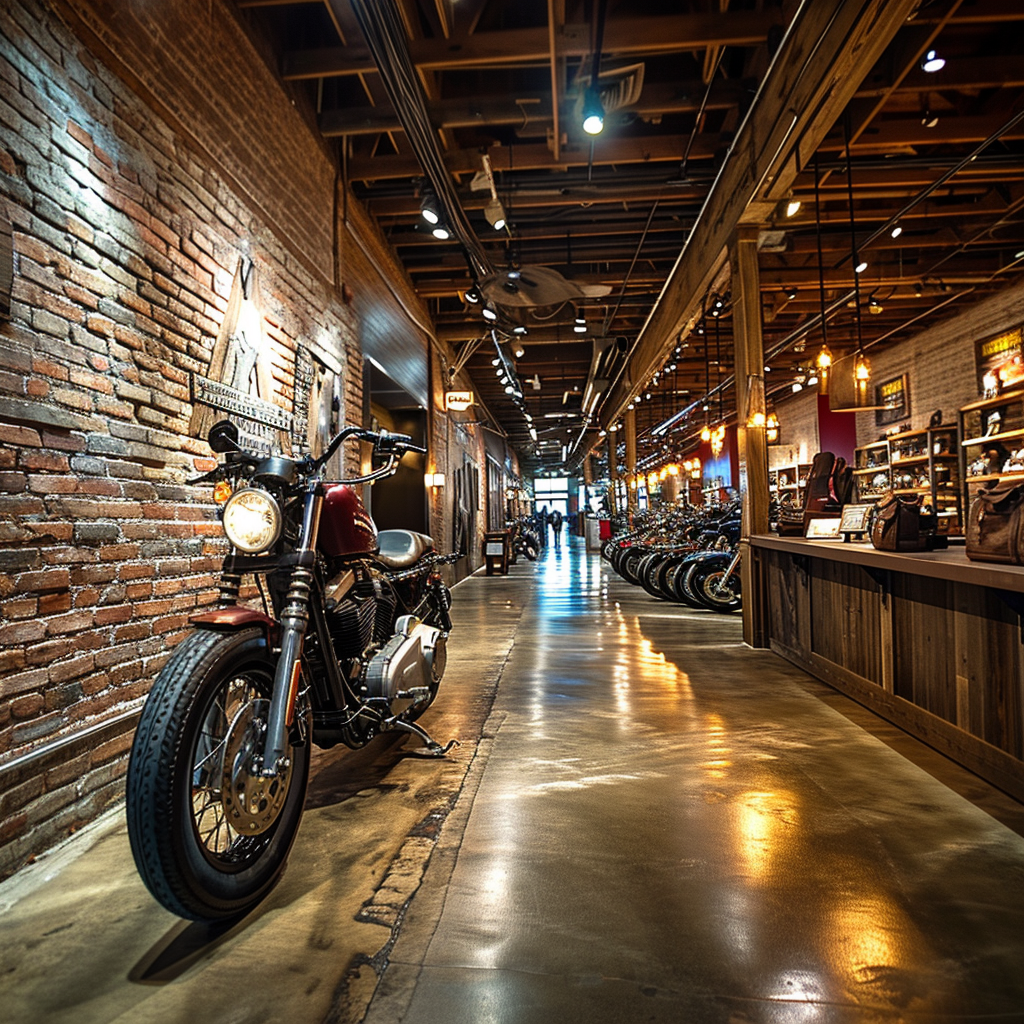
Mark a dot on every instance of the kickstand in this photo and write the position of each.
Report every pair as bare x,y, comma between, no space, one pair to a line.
434,749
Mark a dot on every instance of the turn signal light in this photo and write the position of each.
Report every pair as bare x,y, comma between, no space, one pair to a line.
221,491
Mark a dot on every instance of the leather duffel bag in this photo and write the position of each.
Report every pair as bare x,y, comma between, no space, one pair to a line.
995,524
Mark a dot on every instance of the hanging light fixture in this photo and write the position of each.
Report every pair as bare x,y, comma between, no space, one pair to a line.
593,111
861,378
593,108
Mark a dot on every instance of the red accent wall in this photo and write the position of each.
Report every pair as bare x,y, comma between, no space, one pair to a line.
837,431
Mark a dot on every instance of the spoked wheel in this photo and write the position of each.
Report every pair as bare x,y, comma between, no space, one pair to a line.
718,593
682,584
210,834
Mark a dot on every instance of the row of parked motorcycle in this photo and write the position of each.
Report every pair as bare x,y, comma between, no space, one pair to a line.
689,555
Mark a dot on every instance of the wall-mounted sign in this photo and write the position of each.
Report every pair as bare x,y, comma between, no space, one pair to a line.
1000,361
892,398
240,380
458,400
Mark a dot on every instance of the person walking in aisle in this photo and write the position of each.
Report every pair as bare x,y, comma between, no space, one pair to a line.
555,518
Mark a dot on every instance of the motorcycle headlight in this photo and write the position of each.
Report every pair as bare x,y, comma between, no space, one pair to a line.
252,520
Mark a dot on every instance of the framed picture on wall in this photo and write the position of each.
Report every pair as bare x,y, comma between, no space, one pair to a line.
894,398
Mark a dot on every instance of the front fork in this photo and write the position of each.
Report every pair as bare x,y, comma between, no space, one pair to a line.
294,623
733,565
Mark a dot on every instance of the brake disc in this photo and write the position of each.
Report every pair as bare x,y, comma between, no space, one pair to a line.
251,800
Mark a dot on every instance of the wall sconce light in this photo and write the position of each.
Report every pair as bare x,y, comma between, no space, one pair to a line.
433,479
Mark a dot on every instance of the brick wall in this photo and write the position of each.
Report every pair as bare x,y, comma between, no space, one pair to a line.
131,207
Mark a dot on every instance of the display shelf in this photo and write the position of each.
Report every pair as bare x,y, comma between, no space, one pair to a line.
927,462
873,469
1004,435
992,432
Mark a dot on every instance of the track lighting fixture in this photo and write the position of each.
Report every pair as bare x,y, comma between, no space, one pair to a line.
932,62
580,327
430,209
593,111
929,120
793,207
897,230
489,313
441,232
495,213
791,294
473,296
874,306
519,352
861,266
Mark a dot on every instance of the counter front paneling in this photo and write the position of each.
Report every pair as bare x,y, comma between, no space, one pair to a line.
930,641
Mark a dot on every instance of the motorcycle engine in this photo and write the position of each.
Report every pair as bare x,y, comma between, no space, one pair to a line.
351,619
408,666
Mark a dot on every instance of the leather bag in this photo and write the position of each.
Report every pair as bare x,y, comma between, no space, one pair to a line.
995,524
899,525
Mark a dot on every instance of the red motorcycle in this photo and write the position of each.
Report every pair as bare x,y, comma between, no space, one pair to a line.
350,642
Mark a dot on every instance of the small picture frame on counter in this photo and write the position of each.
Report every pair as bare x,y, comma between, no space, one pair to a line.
855,521
823,529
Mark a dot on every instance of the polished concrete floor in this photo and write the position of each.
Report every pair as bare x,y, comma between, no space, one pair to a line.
646,821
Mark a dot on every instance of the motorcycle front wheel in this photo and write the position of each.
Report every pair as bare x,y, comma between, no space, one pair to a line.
210,836
716,592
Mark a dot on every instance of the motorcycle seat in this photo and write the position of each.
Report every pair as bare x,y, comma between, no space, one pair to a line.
398,549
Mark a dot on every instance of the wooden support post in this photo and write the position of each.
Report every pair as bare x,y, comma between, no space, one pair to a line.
629,421
752,442
613,470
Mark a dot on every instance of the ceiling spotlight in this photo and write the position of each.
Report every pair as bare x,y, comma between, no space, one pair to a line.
918,289
793,207
861,267
520,352
489,313
593,111
473,296
495,214
897,230
430,209
929,120
874,306
812,380
580,326
932,62
797,386
441,232
790,294
509,389
520,329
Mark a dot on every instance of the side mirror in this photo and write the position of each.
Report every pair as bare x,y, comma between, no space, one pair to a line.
223,437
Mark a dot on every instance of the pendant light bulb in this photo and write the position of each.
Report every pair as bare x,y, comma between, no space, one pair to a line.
705,434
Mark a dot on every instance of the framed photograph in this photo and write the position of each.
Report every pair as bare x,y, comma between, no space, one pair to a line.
855,518
894,398
823,529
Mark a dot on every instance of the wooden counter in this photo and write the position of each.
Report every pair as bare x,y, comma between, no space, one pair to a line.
930,641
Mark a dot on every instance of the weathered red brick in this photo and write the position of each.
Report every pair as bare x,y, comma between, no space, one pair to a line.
44,580
42,460
50,604
72,622
27,706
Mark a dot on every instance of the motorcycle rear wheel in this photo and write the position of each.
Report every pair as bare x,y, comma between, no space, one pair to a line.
188,784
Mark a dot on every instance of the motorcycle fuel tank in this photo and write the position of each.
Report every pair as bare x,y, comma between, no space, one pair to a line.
345,526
